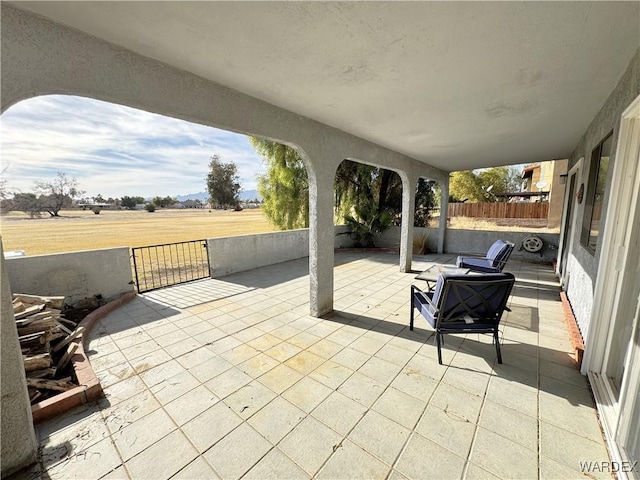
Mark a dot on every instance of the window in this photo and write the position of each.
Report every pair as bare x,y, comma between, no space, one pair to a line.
593,218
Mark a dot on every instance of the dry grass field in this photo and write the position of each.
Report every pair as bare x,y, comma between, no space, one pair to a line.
501,224
83,230
78,230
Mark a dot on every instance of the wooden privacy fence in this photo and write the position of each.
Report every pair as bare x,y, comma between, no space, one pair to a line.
499,210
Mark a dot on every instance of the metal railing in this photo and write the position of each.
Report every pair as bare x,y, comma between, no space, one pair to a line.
158,266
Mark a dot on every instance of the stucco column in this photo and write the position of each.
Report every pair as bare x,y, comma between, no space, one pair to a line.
19,445
409,183
444,208
321,239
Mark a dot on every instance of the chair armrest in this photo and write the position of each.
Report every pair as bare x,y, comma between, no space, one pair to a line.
472,254
424,295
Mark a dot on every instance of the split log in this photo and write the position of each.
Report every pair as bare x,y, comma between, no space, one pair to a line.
18,306
31,337
37,362
59,385
41,325
63,328
34,395
50,302
29,311
70,323
44,373
67,356
69,339
34,344
52,335
38,316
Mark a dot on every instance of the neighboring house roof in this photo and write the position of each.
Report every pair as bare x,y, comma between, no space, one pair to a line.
528,171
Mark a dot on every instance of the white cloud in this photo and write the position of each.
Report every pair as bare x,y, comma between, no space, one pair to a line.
115,150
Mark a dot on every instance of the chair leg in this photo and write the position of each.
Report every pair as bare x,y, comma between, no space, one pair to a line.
412,308
438,344
497,340
411,317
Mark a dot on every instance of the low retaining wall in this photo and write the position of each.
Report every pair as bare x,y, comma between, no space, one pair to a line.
478,241
74,275
229,255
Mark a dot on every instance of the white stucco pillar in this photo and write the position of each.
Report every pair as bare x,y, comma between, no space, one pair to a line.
321,238
444,208
19,445
409,183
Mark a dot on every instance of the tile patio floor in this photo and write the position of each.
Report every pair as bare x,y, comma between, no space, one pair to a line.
231,378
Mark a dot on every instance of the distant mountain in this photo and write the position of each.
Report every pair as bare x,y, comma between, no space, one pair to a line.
204,196
250,195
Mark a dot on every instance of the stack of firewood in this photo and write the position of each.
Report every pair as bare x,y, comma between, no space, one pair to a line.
46,340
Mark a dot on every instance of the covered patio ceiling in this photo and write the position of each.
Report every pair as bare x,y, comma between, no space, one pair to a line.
457,85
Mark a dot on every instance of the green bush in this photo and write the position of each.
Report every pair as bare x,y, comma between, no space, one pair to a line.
150,207
367,224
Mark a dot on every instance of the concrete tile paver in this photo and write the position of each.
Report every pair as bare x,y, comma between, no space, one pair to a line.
230,378
423,458
310,444
164,458
237,452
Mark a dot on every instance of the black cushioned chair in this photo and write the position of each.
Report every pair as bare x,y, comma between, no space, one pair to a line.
464,304
492,262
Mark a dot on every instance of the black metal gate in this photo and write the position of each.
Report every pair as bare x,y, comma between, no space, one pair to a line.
158,266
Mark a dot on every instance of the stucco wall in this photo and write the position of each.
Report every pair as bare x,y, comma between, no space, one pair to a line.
583,264
229,255
478,241
556,193
40,57
19,445
76,275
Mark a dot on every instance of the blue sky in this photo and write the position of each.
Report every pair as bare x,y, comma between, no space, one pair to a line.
114,150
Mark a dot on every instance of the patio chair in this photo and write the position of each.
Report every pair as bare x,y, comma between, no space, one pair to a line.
492,262
464,304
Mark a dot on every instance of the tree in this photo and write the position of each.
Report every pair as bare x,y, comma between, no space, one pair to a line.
27,203
285,186
223,183
358,184
4,189
57,193
464,187
504,180
6,205
131,202
425,202
482,185
162,202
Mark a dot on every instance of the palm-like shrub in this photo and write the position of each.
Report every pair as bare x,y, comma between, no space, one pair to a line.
367,224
